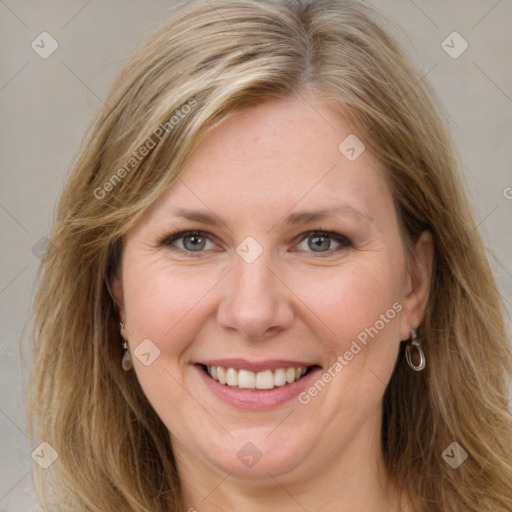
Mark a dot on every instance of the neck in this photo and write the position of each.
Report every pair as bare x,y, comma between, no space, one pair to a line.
353,479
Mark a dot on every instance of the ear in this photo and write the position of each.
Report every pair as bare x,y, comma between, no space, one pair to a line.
417,284
117,290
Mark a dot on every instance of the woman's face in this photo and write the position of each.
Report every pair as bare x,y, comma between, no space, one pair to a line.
295,261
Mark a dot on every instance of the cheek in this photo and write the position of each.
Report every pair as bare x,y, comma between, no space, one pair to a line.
164,306
357,310
160,300
358,302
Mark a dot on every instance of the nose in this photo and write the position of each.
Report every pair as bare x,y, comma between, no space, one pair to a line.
256,302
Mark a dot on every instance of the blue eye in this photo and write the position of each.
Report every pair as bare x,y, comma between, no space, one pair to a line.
321,242
197,241
192,241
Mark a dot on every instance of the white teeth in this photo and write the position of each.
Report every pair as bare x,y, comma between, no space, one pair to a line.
221,372
265,380
247,379
290,375
280,377
232,377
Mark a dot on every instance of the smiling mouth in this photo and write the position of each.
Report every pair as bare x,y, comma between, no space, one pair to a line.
248,380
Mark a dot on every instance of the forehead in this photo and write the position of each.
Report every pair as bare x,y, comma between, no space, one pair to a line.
275,157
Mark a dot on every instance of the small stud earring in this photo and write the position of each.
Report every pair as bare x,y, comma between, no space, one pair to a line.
127,362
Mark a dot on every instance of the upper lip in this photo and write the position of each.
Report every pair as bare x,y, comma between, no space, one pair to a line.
256,366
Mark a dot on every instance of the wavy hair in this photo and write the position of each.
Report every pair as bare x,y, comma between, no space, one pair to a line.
209,60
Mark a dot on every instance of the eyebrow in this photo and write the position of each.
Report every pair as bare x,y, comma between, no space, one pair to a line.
342,209
302,217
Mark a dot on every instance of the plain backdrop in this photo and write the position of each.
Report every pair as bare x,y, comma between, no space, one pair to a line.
47,103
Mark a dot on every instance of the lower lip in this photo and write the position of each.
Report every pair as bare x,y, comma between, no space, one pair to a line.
259,400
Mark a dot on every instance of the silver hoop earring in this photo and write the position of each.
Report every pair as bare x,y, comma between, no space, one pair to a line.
127,362
417,345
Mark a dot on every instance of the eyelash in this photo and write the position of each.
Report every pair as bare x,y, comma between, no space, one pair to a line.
169,238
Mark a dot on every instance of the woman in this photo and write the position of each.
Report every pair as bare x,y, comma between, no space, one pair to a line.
265,288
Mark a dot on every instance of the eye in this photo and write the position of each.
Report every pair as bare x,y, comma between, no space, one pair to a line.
188,241
322,241
312,241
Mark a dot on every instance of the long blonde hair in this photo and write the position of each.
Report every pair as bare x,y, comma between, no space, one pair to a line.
211,59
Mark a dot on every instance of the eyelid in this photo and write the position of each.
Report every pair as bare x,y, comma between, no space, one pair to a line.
344,241
169,239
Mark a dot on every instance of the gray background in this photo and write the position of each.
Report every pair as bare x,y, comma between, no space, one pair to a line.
46,105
